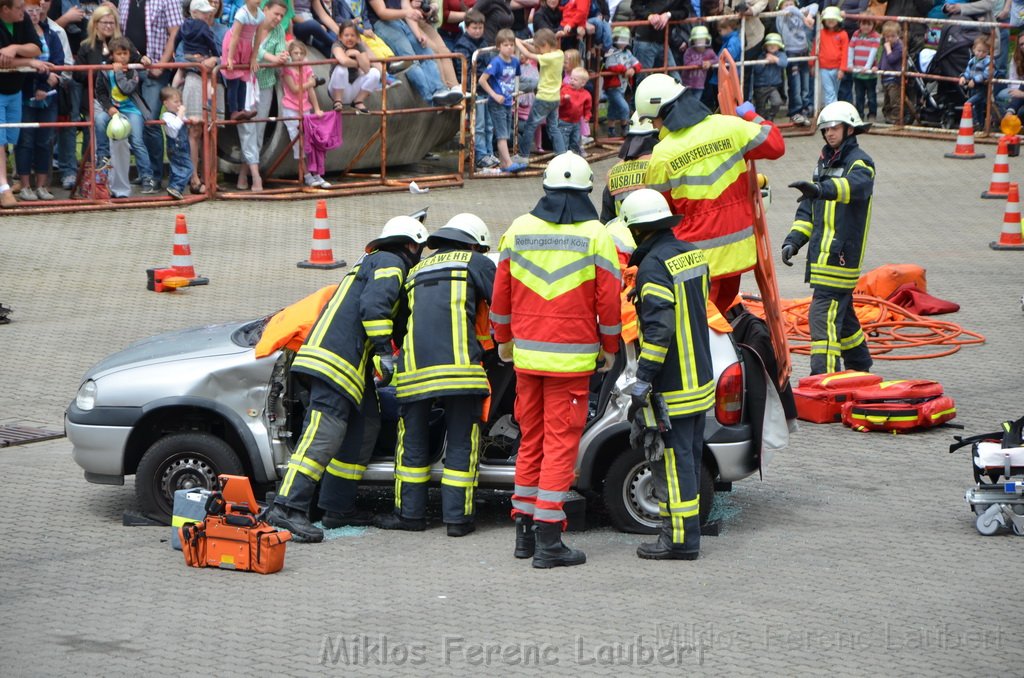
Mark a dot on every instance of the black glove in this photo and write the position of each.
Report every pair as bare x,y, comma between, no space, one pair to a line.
639,398
808,190
788,251
387,368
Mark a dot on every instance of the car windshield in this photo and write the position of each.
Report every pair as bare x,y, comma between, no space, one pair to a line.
249,334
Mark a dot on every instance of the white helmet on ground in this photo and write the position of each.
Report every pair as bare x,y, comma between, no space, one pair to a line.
465,228
841,112
569,171
647,210
119,127
638,126
654,92
399,230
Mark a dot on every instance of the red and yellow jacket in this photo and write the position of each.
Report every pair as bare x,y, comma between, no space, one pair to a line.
556,295
702,171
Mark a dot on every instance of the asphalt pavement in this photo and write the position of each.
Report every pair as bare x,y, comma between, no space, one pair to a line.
855,555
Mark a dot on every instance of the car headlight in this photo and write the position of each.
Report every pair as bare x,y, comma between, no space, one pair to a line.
86,398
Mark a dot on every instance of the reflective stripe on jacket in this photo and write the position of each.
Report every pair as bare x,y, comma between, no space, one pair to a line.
441,352
837,223
361,314
556,293
675,346
702,171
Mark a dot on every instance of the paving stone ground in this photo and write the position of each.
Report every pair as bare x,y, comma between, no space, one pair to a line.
855,556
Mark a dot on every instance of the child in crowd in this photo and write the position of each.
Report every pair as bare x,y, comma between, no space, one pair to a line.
575,107
471,40
196,40
833,49
300,98
731,44
240,59
768,77
701,58
865,45
975,77
892,60
177,141
499,82
571,59
354,78
549,15
623,66
119,92
545,106
793,25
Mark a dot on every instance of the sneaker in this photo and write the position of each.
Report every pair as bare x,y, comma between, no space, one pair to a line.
798,119
392,81
27,194
44,194
148,185
488,161
399,66
520,160
323,182
311,180
68,182
175,193
586,141
514,167
446,97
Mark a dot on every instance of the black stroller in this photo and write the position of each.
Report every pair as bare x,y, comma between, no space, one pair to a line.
940,103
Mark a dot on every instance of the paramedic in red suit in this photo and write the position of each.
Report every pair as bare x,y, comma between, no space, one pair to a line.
555,313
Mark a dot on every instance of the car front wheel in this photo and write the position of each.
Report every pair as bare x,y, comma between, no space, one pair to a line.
182,461
629,494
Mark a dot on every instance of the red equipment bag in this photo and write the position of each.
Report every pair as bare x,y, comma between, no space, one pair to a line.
820,397
902,405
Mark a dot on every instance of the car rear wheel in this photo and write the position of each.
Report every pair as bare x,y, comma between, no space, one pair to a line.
629,494
182,461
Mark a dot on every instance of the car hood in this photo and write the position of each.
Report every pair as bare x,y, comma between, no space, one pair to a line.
197,342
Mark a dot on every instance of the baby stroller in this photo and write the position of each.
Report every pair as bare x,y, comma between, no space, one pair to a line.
940,103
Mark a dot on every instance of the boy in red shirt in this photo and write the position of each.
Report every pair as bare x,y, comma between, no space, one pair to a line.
574,108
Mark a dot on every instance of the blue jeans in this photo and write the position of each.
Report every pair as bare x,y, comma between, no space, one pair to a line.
541,110
313,33
977,102
234,96
570,132
829,85
10,111
650,54
136,140
866,88
181,161
602,32
34,149
482,132
846,88
154,134
618,109
801,96
67,137
423,75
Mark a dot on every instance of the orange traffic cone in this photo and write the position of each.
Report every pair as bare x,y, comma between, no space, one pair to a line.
999,187
1010,237
320,253
181,259
964,149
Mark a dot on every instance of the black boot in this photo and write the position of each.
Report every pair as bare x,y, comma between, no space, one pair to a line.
461,529
664,549
526,541
393,521
354,518
551,552
296,522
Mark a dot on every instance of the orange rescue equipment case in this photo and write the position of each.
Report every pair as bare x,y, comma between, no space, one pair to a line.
820,397
901,405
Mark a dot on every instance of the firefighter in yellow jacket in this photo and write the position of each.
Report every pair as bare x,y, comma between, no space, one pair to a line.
674,365
441,363
336,357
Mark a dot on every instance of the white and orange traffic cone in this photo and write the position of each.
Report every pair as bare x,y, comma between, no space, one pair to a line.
1010,236
320,253
999,186
181,259
964,149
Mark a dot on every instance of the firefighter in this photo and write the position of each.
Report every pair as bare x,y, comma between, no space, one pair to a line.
700,167
441,361
675,364
834,215
362,315
630,173
556,316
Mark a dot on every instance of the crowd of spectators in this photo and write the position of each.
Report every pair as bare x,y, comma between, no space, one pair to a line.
537,60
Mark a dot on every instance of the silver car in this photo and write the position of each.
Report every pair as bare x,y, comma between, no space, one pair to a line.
178,409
